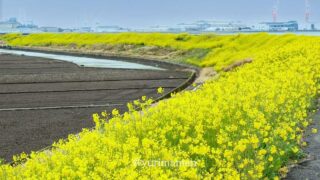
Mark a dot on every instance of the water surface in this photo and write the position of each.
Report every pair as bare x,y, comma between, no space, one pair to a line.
83,61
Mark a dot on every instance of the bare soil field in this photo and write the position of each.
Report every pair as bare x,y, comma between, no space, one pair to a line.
44,100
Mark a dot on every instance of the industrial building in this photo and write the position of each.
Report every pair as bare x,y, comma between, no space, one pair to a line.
110,29
50,29
9,25
209,26
225,26
278,26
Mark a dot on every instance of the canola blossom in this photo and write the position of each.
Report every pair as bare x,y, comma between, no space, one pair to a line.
206,50
244,124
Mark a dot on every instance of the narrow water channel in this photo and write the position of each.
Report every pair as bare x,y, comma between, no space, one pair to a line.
83,61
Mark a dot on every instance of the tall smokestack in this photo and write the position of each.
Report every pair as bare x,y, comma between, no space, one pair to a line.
307,11
274,15
275,10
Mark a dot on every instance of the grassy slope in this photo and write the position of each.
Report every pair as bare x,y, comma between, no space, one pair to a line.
246,124
200,50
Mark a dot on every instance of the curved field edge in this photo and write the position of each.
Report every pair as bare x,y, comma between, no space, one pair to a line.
246,124
207,50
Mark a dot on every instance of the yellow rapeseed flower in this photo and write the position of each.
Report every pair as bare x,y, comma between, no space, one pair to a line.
160,90
314,130
232,127
273,149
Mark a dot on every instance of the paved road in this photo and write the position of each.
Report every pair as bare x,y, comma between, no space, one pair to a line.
44,100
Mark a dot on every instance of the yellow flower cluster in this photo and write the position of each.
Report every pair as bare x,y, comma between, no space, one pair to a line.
245,124
215,50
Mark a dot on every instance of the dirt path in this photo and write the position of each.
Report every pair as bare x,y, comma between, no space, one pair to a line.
309,168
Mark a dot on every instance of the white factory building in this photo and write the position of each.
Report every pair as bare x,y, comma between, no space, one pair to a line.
226,26
110,29
278,26
208,26
10,25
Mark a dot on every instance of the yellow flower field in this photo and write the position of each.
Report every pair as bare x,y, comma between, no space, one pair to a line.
218,51
244,124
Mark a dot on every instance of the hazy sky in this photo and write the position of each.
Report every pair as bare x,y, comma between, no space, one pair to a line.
143,13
